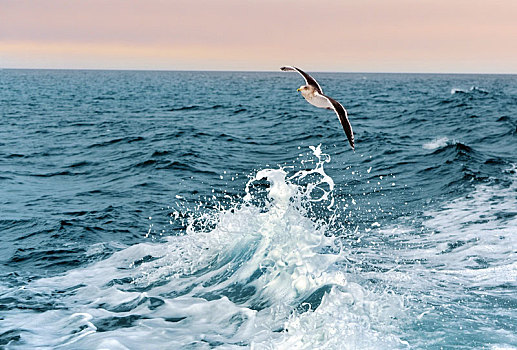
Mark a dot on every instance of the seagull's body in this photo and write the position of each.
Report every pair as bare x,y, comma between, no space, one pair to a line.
315,98
313,93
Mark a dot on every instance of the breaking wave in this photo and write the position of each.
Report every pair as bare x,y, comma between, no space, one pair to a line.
262,273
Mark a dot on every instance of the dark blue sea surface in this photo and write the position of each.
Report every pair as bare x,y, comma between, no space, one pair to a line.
219,210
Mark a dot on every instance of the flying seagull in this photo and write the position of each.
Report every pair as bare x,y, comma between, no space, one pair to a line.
313,93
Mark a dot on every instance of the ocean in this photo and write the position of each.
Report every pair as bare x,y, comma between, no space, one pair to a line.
219,210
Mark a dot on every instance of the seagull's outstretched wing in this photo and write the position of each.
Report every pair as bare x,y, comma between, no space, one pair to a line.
343,118
308,79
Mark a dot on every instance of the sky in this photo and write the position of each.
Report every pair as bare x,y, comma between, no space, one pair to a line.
441,36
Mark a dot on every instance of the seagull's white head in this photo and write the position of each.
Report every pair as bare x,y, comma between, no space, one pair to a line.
306,90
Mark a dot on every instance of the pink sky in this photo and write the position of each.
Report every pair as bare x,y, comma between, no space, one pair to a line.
320,35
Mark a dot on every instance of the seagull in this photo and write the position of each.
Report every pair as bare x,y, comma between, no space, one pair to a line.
313,93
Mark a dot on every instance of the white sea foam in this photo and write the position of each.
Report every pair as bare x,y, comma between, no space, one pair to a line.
436,143
457,90
343,321
462,257
476,229
503,347
462,236
470,90
242,280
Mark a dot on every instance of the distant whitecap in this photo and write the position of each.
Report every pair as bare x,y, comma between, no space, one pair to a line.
471,90
436,143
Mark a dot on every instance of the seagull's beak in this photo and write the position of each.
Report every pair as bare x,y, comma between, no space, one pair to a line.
298,89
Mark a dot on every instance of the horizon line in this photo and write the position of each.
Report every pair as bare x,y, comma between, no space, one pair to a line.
248,71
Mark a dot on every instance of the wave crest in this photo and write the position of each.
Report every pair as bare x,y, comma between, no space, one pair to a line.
471,90
257,274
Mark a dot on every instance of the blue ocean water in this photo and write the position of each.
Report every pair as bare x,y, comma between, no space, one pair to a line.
219,210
